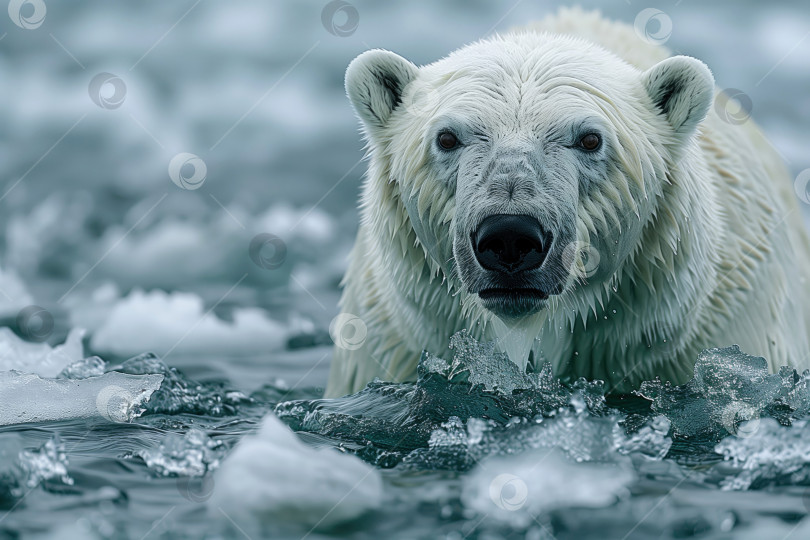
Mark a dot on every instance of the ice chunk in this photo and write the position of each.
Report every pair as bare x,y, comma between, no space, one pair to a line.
515,489
179,322
21,470
389,421
92,366
727,374
166,253
115,396
178,394
273,477
483,365
39,358
729,389
192,454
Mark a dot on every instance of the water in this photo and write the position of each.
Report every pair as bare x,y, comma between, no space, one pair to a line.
94,234
473,446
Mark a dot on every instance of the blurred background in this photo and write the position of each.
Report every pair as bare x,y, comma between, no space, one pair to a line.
182,178
207,148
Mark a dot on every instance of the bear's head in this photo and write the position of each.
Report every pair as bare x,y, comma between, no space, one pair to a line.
527,164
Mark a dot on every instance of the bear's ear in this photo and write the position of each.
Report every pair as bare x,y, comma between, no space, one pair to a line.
682,88
375,81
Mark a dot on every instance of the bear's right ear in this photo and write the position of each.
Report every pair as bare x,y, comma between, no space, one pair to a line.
375,81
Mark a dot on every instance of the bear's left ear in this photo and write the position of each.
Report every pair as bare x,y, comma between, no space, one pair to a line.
682,88
375,81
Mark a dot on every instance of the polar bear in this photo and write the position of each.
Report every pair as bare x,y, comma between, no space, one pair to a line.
567,189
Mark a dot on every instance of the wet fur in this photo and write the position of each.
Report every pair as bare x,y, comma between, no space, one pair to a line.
700,238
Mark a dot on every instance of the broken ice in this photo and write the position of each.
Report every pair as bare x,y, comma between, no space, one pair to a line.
39,358
273,476
115,396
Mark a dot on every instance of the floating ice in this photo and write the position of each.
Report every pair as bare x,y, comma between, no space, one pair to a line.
92,366
39,358
273,477
178,322
516,489
180,395
115,396
192,454
388,423
167,253
21,470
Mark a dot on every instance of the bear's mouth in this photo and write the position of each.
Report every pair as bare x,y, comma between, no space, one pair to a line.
522,292
513,302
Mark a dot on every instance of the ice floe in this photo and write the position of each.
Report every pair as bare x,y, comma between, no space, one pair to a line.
178,322
273,476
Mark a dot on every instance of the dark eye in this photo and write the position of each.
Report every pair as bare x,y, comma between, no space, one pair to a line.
590,142
447,141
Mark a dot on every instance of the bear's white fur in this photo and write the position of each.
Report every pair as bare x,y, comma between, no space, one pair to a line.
692,232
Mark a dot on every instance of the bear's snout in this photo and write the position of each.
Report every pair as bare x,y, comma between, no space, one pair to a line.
511,243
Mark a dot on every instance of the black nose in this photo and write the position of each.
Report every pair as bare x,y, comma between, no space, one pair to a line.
511,244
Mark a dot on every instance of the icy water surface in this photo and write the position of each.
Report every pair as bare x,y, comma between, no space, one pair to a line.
173,336
473,447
